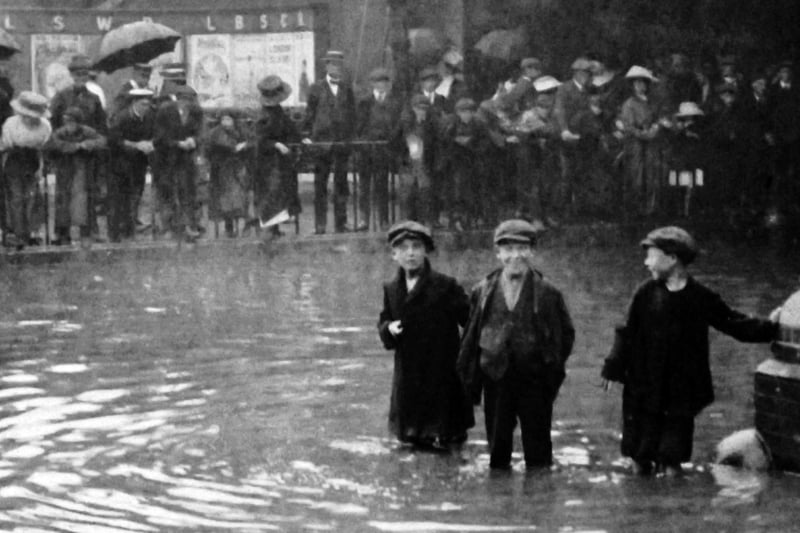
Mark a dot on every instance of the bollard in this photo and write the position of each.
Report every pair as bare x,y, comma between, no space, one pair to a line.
777,391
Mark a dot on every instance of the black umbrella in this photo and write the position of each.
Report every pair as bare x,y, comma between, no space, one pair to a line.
8,46
137,42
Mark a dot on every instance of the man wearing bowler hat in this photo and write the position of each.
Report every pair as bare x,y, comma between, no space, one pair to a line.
378,118
330,120
572,99
514,349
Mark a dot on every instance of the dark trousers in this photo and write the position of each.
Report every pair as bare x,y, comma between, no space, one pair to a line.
122,198
335,160
656,438
527,399
374,185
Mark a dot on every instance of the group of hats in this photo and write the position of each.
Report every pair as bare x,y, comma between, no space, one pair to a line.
514,230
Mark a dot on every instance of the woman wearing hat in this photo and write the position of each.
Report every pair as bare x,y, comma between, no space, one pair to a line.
23,137
275,177
640,127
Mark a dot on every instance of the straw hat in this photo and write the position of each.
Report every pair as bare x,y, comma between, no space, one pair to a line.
333,56
273,90
545,84
31,104
689,109
639,73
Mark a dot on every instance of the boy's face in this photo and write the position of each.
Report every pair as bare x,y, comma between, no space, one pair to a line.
465,115
660,264
514,256
70,123
410,254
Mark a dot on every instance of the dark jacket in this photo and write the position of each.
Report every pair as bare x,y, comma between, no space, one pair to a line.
662,354
87,101
427,398
168,130
570,100
553,327
330,117
785,104
126,126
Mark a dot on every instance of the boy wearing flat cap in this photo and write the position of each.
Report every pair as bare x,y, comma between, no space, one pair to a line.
514,349
661,354
422,310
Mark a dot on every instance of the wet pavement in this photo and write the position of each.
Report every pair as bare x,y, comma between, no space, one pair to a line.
238,389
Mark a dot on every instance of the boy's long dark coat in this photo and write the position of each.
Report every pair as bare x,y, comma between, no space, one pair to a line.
662,352
427,398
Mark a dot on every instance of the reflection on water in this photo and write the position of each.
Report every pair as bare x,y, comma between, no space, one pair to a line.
250,394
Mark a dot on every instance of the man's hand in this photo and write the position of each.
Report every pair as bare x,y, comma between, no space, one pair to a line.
306,141
282,148
607,385
241,146
775,315
395,328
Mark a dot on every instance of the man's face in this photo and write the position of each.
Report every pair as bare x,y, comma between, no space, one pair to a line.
409,254
465,115
532,72
759,86
660,264
728,98
141,105
785,74
382,86
728,71
70,123
141,77
583,77
227,122
429,84
80,77
334,69
515,257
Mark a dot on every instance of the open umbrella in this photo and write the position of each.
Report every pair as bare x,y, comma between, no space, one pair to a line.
8,46
137,42
503,44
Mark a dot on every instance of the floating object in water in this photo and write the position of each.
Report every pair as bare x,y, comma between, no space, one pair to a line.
744,449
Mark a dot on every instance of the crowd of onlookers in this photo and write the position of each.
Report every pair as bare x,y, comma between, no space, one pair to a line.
672,141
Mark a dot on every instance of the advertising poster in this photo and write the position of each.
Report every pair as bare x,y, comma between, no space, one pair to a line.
209,69
225,69
50,55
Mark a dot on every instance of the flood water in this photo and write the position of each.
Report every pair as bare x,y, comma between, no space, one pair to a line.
248,391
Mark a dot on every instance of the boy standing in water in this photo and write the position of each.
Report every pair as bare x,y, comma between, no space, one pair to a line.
422,310
661,353
516,343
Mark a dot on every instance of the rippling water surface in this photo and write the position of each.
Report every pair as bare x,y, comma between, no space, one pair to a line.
249,392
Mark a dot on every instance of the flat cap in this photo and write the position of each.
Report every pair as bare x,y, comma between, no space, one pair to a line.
465,103
379,74
516,230
80,63
582,64
531,62
429,72
333,56
672,240
409,229
173,71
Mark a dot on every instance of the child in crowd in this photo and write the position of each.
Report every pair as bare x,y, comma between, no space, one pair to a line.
419,132
661,353
72,148
422,310
23,137
228,154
